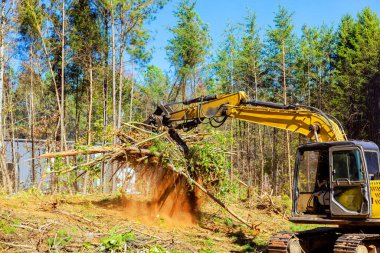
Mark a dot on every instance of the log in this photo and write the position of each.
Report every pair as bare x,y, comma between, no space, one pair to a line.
96,150
92,150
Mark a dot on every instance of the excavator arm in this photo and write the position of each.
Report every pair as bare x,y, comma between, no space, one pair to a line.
305,120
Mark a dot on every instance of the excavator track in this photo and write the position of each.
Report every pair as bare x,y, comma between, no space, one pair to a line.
352,243
314,240
279,243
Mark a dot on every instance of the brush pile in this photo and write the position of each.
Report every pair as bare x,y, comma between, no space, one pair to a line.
157,160
135,146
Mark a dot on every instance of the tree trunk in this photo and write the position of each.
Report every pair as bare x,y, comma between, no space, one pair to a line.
261,136
4,172
77,111
113,182
183,87
287,133
231,126
132,89
47,55
120,89
13,149
103,173
274,161
33,168
63,134
89,119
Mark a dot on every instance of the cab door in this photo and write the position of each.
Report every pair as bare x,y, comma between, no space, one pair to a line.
349,187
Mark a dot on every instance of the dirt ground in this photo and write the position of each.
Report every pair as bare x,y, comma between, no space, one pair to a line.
31,222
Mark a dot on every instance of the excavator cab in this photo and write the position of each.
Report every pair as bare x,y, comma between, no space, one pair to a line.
333,181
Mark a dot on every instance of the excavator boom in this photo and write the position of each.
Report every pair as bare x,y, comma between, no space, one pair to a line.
305,120
300,120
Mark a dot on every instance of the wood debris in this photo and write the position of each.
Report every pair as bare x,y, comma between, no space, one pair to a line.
137,147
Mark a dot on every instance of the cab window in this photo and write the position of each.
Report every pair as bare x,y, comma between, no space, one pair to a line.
347,165
372,160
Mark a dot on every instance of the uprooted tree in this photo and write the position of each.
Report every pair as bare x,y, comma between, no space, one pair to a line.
160,164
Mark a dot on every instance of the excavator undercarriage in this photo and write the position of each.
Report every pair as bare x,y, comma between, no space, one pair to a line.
336,240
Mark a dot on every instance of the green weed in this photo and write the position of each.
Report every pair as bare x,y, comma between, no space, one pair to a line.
60,240
207,250
301,227
228,222
8,229
209,242
116,241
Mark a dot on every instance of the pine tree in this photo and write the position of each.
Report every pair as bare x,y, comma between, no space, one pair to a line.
86,42
280,53
250,57
188,47
225,62
358,54
248,77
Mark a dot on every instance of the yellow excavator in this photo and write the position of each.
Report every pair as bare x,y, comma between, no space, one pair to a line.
336,181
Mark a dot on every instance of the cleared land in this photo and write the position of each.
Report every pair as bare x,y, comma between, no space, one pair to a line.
31,222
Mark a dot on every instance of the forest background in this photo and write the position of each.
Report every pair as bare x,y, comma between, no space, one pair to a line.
71,71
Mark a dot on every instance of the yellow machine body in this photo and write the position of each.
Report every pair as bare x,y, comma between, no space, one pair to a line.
375,197
300,119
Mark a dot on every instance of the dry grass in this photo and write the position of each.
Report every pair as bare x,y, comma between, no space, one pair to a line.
39,223
109,223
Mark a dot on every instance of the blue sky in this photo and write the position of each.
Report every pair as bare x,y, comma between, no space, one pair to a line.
218,13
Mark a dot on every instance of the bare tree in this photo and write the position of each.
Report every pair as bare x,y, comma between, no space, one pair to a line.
4,173
63,132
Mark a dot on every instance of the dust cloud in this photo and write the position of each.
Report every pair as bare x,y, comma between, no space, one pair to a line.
152,193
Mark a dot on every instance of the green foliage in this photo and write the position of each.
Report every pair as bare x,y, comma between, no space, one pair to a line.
60,239
116,241
357,69
231,191
161,249
247,248
228,222
209,162
207,250
31,18
156,85
225,61
157,249
8,229
160,146
260,241
209,242
249,58
280,53
285,203
302,227
190,42
8,226
87,245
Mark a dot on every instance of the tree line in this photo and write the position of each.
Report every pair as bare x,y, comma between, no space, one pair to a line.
74,70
